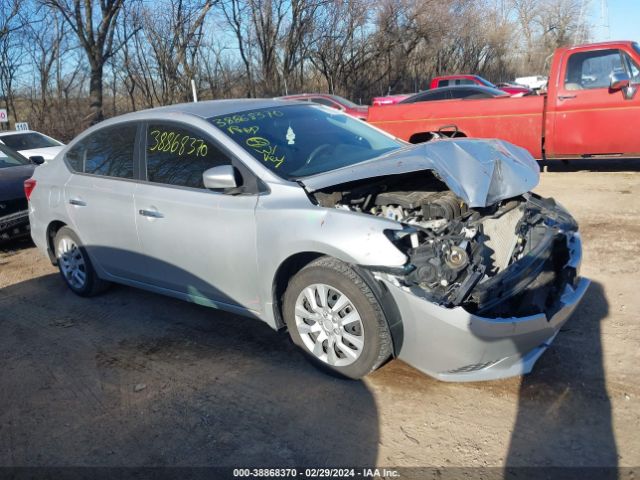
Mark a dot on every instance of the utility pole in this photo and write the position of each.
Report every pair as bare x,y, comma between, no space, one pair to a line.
604,19
581,27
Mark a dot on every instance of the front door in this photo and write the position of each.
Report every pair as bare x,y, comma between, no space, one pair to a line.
196,242
587,117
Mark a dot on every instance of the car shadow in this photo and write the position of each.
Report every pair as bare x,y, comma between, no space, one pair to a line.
564,411
131,378
591,165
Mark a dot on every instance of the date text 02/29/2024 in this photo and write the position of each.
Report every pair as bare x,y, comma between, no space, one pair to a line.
315,473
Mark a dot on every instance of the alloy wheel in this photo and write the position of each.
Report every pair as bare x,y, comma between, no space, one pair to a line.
71,262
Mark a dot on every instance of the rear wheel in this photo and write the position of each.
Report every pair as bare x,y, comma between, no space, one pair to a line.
333,315
74,264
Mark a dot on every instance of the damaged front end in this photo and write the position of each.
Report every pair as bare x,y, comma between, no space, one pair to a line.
492,270
507,259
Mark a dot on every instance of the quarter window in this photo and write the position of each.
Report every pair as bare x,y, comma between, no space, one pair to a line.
588,70
179,156
108,152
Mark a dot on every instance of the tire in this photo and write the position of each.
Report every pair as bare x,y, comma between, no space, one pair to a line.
75,266
348,334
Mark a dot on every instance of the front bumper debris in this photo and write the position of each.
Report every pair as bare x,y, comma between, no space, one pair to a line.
452,344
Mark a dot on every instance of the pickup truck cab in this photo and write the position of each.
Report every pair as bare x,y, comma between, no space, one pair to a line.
591,109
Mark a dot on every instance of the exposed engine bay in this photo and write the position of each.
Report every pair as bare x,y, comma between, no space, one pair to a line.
505,259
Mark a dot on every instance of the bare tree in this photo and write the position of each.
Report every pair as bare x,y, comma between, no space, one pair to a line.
95,29
46,45
174,35
339,47
144,54
236,13
11,23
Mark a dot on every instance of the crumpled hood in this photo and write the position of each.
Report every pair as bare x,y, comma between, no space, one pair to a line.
480,171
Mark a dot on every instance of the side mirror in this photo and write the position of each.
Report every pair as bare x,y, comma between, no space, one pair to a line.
619,80
220,178
37,159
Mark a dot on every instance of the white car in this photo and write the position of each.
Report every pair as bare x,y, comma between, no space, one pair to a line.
31,144
534,82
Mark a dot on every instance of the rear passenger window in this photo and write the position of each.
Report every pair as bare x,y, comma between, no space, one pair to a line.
108,152
179,156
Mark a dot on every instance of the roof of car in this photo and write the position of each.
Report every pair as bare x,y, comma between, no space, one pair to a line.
458,75
296,95
13,132
211,108
478,88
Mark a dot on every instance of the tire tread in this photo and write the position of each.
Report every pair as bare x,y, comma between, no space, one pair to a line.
386,344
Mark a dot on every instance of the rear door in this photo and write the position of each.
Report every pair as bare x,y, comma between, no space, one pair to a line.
99,197
588,118
196,242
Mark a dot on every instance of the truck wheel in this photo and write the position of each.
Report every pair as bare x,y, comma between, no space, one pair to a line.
75,266
334,317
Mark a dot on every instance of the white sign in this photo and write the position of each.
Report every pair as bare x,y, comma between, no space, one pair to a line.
22,126
3,115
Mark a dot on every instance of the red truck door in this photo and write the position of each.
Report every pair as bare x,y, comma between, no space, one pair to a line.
586,117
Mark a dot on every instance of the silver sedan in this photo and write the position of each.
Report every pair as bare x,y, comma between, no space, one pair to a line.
363,247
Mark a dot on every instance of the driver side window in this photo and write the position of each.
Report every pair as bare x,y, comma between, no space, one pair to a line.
178,156
589,70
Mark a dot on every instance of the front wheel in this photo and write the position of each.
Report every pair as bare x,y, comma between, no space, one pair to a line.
335,318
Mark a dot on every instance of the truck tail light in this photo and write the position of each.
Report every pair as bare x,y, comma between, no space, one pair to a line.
29,185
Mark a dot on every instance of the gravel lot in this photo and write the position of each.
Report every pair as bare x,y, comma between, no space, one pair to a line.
132,378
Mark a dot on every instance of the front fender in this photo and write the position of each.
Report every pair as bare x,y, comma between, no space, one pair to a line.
286,228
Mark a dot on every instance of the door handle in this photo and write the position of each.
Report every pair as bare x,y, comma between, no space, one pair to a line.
566,97
150,213
77,202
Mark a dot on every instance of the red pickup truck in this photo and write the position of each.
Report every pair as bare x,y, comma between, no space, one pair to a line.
591,109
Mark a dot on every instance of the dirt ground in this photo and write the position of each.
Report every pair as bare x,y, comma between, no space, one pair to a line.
131,378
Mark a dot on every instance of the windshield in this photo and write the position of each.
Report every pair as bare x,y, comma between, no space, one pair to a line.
300,140
28,141
636,47
9,158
